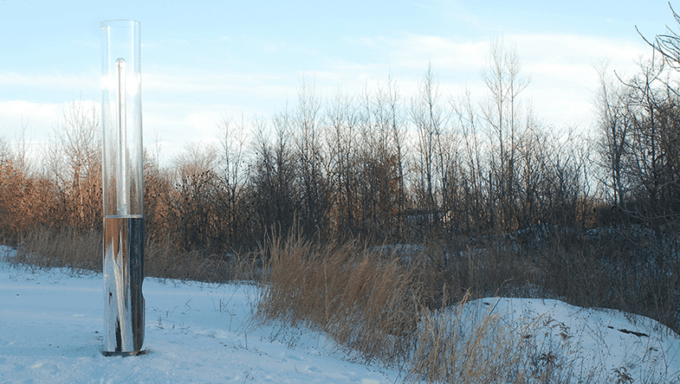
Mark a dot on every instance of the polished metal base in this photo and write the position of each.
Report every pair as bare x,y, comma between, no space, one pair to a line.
124,354
123,272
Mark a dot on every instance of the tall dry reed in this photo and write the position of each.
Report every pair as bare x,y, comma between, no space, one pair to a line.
363,301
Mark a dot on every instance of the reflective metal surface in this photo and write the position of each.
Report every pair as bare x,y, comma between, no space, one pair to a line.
123,278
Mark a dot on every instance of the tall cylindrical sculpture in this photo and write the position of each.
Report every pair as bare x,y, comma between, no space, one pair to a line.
123,191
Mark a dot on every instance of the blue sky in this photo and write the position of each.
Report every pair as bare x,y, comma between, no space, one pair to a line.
204,59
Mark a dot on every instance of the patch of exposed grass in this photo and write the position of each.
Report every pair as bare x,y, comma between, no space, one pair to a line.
50,248
361,300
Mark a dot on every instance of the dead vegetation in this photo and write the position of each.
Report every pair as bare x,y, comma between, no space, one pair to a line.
390,309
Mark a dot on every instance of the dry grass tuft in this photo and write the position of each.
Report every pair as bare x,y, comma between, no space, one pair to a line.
48,248
165,260
384,308
361,300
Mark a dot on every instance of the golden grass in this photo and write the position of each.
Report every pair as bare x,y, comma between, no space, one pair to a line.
47,248
382,308
348,291
50,247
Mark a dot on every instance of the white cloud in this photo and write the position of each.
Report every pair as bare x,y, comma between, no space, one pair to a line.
204,121
256,84
23,109
561,69
443,53
49,80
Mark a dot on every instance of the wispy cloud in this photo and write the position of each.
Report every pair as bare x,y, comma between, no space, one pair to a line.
27,110
560,65
415,51
48,80
262,84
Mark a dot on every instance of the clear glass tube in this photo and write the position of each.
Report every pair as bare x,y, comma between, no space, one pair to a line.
122,163
122,118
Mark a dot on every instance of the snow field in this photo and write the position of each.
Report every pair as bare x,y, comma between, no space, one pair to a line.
601,344
51,331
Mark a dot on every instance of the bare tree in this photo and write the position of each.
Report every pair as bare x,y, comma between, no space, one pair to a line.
615,124
273,176
501,114
426,114
383,159
234,175
397,126
342,164
668,44
310,160
159,193
195,183
652,167
471,213
74,161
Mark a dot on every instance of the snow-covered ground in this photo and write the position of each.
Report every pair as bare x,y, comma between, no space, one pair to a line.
51,331
597,345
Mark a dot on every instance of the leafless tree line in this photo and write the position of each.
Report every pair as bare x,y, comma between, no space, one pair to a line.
66,191
381,166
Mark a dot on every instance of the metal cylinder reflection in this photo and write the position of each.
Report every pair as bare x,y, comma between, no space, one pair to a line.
122,165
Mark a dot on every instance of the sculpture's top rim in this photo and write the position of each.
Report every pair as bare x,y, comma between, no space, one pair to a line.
117,22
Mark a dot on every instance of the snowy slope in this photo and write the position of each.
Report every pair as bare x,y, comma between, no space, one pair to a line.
609,345
51,324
